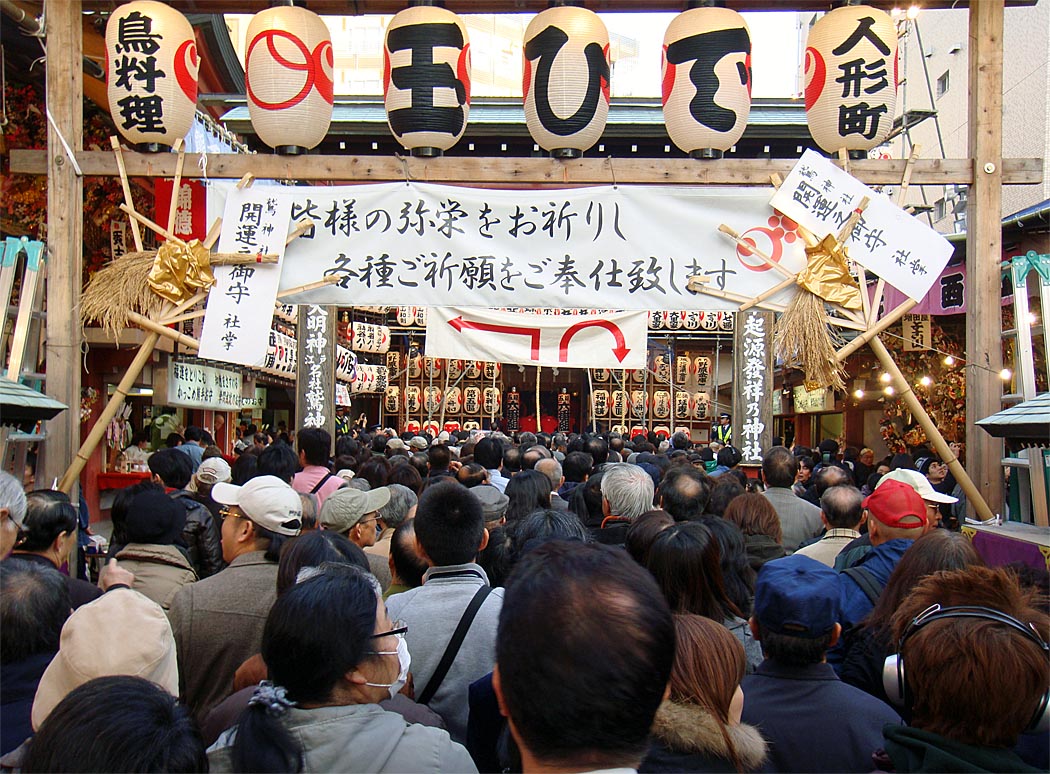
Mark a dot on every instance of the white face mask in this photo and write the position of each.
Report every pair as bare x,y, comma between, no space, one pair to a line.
404,658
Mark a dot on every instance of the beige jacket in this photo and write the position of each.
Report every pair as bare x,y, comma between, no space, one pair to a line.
160,571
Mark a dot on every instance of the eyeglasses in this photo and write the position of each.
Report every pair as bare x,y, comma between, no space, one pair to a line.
225,513
400,630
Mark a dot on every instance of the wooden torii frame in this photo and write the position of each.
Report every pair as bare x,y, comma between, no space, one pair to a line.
984,170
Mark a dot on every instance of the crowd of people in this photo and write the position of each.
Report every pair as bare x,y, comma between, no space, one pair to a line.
476,602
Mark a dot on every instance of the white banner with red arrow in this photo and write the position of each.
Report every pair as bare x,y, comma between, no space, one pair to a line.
559,339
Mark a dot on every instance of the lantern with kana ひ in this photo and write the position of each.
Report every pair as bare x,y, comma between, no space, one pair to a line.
288,72
850,74
151,73
706,87
426,79
566,80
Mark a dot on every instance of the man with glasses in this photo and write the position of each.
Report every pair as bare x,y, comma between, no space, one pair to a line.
355,514
218,622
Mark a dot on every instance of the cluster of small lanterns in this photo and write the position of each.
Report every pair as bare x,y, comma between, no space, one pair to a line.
850,77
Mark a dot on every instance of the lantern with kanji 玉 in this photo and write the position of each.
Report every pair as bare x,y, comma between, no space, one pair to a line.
288,70
426,79
151,73
706,80
566,80
850,74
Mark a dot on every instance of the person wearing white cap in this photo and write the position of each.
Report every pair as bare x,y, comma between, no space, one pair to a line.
218,621
925,490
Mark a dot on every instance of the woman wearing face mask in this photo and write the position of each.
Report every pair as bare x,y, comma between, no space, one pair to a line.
333,654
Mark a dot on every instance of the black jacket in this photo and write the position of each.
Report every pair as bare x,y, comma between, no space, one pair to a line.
202,536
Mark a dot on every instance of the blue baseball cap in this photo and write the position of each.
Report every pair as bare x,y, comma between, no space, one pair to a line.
797,596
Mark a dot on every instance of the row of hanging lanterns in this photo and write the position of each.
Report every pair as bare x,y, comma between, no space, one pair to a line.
850,74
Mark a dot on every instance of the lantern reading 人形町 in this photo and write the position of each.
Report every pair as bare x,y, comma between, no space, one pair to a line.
288,66
426,79
151,73
850,74
566,80
706,80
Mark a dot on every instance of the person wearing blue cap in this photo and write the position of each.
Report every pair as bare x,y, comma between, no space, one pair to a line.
812,721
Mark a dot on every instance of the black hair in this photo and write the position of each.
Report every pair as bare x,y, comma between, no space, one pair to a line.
577,466
586,501
686,561
684,492
449,523
48,514
779,467
527,491
728,456
829,476
842,506
408,564
347,446
174,467
405,474
150,731
280,460
418,460
725,490
498,557
331,617
793,651
173,440
313,549
118,514
576,598
194,434
511,460
545,524
34,603
471,474
643,531
439,457
376,471
138,437
315,443
598,449
738,576
488,452
244,469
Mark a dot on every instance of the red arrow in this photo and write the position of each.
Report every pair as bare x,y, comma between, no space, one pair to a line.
534,333
620,350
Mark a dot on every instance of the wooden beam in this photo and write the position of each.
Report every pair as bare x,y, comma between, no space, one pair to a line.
521,171
65,229
984,246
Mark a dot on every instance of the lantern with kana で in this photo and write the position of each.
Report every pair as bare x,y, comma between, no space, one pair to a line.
426,79
850,74
151,73
288,72
566,80
706,80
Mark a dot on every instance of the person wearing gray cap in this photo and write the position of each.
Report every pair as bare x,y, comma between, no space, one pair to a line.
355,513
494,504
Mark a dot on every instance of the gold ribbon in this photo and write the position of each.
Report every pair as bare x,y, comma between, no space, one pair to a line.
179,271
827,274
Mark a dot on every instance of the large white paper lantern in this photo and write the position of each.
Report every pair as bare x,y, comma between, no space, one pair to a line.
426,79
706,80
151,72
288,75
566,80
850,74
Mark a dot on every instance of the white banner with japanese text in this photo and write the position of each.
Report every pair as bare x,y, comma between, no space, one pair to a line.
896,246
559,339
192,385
619,247
240,304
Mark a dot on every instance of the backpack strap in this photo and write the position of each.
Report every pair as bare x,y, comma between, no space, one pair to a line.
321,483
454,645
868,583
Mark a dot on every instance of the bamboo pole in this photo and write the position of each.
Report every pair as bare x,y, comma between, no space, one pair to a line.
126,185
915,406
539,426
152,326
879,327
176,183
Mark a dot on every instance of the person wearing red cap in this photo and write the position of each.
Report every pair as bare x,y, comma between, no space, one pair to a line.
896,517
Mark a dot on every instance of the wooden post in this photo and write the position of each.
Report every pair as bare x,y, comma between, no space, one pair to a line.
984,247
973,494
65,228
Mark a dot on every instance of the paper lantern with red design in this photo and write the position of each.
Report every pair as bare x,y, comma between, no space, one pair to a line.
566,80
288,76
392,399
151,72
472,400
850,73
431,428
706,80
426,79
